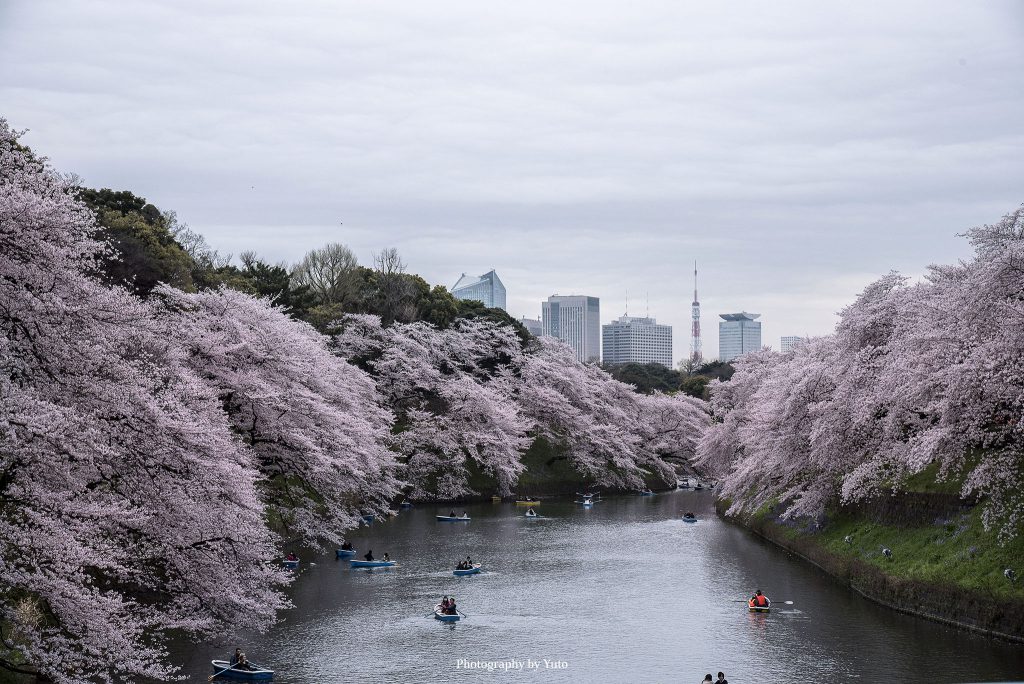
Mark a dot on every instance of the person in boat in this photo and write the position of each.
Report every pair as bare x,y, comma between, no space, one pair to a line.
292,557
759,600
688,514
369,556
347,546
469,563
387,558
461,565
444,605
721,679
464,514
707,678
239,661
451,610
451,513
530,512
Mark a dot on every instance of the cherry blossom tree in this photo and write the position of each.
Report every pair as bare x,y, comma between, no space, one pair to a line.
922,374
313,421
451,391
127,506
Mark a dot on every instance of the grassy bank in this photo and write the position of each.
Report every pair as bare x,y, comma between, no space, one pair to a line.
944,565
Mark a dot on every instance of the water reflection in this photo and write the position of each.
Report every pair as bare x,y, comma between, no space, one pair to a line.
621,592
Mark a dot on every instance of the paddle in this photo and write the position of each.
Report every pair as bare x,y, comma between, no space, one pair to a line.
461,613
788,603
218,674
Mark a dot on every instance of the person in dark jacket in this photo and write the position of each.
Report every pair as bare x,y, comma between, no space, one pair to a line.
369,555
721,679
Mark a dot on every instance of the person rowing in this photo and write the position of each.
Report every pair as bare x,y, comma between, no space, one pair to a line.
759,600
387,558
347,546
451,514
689,516
291,557
369,556
239,661
530,513
451,609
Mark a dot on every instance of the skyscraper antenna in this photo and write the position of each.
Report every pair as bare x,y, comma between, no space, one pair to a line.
695,352
627,301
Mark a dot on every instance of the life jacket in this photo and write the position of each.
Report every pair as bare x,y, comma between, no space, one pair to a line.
759,601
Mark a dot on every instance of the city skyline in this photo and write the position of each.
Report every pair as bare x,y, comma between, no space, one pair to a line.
581,177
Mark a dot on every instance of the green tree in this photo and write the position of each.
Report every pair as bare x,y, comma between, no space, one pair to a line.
145,251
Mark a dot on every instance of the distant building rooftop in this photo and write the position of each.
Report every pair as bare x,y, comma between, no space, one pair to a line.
742,316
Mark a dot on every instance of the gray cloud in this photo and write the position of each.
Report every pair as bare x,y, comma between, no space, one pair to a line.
795,150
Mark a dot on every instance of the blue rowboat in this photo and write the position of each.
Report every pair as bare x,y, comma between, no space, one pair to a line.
372,564
405,504
257,674
689,520
290,564
475,570
453,518
345,553
444,617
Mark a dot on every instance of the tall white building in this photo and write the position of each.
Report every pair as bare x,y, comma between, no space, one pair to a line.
632,339
787,342
533,326
738,334
575,319
487,288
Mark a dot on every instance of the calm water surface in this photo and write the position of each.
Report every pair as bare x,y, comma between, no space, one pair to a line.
623,592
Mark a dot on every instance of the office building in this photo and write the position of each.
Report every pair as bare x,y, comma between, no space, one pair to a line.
576,320
487,288
632,339
789,341
738,334
533,326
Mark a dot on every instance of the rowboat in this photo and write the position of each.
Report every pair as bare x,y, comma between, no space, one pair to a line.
345,553
257,674
372,564
527,502
690,519
647,492
496,498
290,564
586,502
406,504
758,609
475,570
444,617
453,518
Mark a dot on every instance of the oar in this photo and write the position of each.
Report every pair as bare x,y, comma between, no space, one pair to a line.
218,674
788,603
461,613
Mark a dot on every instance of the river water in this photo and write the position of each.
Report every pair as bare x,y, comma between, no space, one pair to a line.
622,592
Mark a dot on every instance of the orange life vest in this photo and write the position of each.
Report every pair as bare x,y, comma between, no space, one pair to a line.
759,601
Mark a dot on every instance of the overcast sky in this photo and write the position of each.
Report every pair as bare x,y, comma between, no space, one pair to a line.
797,151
